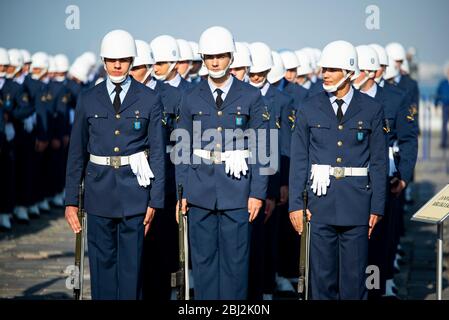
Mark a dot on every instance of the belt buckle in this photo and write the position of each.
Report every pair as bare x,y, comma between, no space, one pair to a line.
215,157
339,172
115,161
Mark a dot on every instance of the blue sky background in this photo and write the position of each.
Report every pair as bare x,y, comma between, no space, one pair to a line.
40,24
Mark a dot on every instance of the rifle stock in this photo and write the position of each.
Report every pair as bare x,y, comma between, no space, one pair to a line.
303,281
80,247
180,279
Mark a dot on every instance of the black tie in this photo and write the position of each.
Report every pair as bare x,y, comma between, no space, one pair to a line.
339,110
117,102
219,100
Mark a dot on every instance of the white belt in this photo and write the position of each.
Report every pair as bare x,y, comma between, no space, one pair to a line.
217,157
113,161
341,172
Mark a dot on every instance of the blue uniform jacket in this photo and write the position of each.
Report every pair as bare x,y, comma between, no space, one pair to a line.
350,200
207,185
100,131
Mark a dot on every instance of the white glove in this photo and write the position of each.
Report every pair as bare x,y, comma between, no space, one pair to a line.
392,168
321,178
235,163
140,167
28,123
9,132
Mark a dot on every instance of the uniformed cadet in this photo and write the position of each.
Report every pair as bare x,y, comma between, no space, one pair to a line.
264,232
194,76
304,72
161,243
17,108
7,134
400,129
117,148
316,81
241,62
184,63
442,100
166,56
224,184
338,155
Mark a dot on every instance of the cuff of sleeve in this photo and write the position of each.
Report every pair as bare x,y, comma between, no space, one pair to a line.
71,197
158,204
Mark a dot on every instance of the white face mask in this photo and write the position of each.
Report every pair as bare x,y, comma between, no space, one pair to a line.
59,78
3,74
258,85
39,75
335,87
221,73
164,76
368,75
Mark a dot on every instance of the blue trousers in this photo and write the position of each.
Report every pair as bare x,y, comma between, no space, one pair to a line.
338,261
115,248
219,247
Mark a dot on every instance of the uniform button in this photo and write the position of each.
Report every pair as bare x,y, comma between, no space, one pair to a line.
218,145
200,113
340,127
117,116
339,160
219,129
96,116
220,113
116,149
339,143
117,132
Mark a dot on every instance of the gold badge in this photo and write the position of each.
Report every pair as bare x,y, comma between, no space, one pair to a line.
278,123
386,126
266,114
25,98
292,119
49,97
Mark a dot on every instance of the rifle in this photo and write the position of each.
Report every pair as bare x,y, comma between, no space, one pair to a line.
180,279
303,282
80,247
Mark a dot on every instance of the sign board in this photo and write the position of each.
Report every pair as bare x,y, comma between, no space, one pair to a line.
436,209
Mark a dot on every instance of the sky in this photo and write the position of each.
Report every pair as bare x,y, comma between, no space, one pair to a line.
41,24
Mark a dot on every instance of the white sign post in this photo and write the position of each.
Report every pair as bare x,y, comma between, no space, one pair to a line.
435,211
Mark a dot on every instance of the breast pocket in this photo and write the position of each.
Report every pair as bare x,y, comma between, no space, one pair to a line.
202,115
239,117
97,122
137,123
360,130
320,132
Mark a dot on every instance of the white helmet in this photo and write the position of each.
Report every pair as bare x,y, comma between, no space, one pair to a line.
340,55
80,69
367,61
392,69
405,67
62,63
4,60
381,54
262,59
185,50
118,44
90,58
26,56
143,56
15,60
305,66
312,56
39,60
242,56
216,40
367,58
277,70
164,49
194,47
289,59
51,64
396,51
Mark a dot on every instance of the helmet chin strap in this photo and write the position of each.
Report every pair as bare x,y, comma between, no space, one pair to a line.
221,73
336,86
164,76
